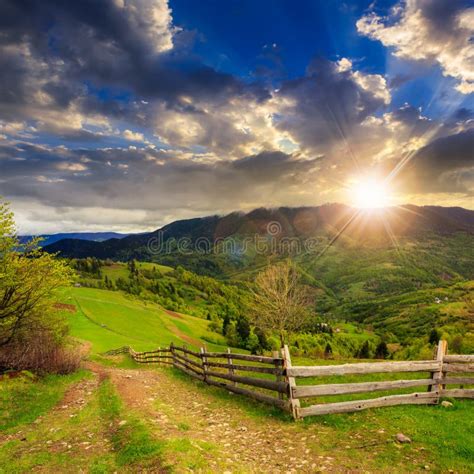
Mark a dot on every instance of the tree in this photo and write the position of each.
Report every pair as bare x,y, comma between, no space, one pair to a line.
364,351
243,329
262,339
381,351
28,278
280,300
225,323
434,337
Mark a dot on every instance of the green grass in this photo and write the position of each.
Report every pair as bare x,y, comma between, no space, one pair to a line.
110,319
442,438
445,434
24,399
120,270
131,439
134,445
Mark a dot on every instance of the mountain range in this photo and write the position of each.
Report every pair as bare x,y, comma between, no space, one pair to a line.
329,221
48,239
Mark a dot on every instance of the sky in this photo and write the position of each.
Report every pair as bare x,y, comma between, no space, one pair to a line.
125,115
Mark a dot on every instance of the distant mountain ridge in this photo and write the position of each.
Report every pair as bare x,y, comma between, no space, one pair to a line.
49,239
300,222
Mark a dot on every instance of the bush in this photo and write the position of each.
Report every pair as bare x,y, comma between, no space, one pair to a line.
41,354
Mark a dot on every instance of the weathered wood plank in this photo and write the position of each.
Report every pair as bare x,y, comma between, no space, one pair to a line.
247,368
230,363
458,358
352,406
458,393
154,357
188,361
247,357
364,368
293,403
304,391
249,393
457,367
157,351
204,364
181,364
261,383
441,351
188,351
458,380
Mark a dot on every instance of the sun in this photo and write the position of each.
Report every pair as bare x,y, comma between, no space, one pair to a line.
370,194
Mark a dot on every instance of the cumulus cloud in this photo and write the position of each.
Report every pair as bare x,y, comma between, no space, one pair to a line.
437,31
108,120
133,136
154,181
325,111
83,57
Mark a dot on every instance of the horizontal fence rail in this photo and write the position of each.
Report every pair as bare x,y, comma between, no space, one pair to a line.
273,380
436,369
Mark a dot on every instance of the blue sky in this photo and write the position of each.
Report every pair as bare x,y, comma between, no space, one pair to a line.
234,33
127,114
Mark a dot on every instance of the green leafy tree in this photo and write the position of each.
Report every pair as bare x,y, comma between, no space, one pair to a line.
252,343
243,329
28,279
225,324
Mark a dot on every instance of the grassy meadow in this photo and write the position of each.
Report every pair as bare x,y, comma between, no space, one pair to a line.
118,416
111,319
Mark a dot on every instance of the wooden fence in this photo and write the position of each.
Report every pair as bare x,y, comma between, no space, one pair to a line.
273,379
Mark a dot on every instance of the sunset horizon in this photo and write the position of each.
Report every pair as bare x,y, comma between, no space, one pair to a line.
130,114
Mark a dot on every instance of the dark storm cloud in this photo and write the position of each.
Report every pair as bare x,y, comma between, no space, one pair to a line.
56,47
329,103
446,165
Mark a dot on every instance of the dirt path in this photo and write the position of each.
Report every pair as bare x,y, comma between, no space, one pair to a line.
193,422
244,443
57,434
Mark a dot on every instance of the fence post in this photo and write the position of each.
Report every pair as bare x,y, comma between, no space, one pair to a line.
294,402
229,361
276,355
204,363
185,355
440,353
173,357
158,360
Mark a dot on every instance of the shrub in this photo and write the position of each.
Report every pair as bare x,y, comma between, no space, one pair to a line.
41,354
32,334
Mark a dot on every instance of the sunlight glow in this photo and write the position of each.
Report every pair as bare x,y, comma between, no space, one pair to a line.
370,194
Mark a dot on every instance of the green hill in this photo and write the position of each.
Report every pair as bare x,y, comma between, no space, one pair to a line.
110,319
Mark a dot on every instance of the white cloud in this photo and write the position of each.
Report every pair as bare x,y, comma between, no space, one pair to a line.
133,136
152,18
437,31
